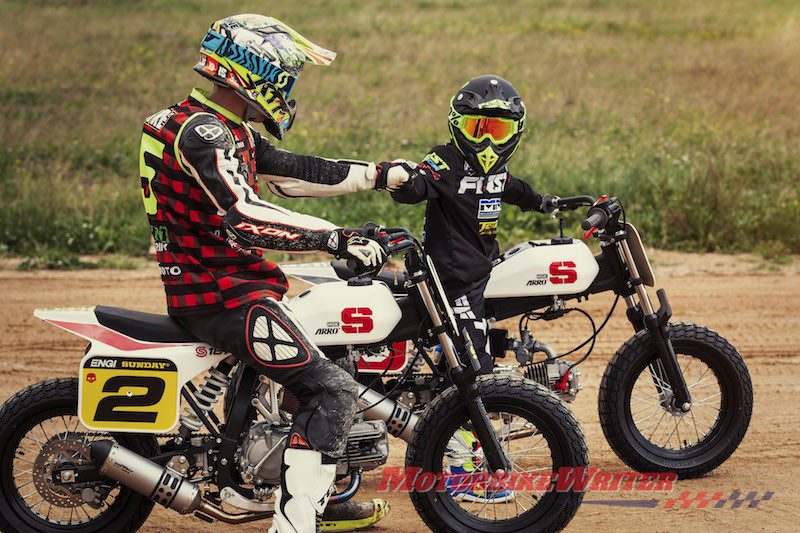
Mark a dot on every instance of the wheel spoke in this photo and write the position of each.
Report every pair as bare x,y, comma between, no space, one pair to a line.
649,394
645,401
665,431
58,442
528,455
637,422
657,424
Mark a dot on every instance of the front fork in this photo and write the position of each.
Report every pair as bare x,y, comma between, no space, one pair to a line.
642,316
464,378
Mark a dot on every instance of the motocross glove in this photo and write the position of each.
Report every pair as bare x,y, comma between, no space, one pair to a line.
350,243
395,174
549,203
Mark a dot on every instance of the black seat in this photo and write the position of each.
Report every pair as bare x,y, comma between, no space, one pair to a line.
394,280
143,326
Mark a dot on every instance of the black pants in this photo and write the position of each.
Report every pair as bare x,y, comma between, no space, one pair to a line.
265,335
469,309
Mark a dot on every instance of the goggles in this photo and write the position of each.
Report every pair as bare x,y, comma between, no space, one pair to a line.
478,128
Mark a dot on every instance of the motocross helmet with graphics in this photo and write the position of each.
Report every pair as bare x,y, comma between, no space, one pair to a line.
487,118
260,58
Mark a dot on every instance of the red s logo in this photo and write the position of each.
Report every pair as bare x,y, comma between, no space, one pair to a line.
357,320
563,272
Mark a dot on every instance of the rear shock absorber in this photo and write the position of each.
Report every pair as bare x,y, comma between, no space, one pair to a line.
207,395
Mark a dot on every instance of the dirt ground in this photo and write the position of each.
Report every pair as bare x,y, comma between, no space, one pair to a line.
752,304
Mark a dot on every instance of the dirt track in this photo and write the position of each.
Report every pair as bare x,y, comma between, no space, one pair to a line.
755,308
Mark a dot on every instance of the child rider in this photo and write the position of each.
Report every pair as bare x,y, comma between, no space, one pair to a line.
464,197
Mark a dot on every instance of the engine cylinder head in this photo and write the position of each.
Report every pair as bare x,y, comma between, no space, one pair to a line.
538,372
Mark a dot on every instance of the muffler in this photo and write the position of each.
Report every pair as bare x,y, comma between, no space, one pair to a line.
145,477
400,421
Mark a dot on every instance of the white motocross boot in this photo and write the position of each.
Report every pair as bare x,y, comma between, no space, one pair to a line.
305,486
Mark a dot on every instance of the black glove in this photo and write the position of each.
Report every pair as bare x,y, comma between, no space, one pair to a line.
399,174
549,203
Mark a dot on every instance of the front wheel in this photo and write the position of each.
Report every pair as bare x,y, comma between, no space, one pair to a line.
640,420
539,436
39,432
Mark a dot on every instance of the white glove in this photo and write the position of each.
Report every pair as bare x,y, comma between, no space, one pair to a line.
348,243
369,252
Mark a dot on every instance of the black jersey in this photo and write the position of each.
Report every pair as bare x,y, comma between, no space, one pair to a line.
462,213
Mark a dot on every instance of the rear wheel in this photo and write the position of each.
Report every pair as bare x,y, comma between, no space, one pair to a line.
40,432
539,437
639,418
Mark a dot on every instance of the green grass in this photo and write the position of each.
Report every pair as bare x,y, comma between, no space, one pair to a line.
685,110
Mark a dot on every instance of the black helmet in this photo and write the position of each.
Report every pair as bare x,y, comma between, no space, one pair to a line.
487,118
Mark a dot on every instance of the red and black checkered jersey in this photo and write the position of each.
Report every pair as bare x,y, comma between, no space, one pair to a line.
202,271
198,166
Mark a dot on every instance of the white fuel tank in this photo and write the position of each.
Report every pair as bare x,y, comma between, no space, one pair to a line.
336,314
540,268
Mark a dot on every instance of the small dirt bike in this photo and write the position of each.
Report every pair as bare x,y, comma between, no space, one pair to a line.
94,453
675,397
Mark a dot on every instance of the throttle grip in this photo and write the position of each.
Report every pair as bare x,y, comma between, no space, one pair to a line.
596,219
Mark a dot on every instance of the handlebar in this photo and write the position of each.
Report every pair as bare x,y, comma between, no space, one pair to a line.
392,240
570,203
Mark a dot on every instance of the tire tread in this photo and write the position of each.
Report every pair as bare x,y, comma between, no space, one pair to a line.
611,392
525,390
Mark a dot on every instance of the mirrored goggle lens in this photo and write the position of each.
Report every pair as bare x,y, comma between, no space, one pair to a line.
498,129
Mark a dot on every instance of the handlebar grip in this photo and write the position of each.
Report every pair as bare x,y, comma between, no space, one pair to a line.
399,247
597,219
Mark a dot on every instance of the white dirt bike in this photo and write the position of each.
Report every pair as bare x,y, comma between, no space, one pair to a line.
676,397
94,453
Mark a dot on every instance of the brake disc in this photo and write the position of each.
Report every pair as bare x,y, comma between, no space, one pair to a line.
53,454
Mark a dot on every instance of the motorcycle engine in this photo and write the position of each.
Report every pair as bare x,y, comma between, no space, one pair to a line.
557,376
260,454
367,447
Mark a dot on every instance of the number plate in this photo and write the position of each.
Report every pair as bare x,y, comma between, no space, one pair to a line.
129,394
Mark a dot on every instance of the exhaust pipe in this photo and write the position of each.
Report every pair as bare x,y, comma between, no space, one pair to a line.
400,421
144,476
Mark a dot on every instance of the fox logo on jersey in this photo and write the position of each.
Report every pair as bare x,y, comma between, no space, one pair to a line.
494,184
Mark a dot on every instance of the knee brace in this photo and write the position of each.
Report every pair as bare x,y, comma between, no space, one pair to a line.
327,395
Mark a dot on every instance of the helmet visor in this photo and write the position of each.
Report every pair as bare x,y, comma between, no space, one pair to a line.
499,130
